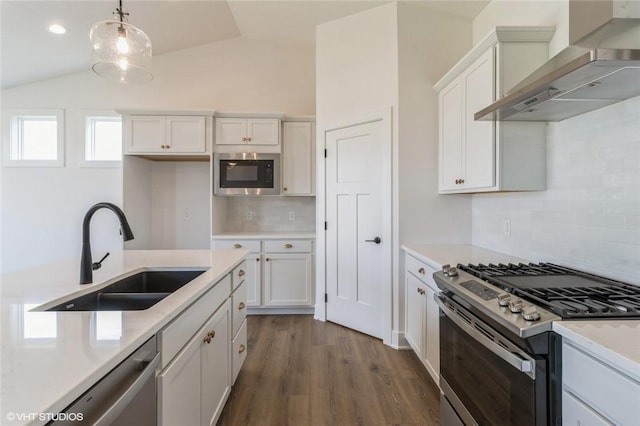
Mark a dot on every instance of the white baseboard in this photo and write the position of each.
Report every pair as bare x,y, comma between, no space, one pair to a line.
280,311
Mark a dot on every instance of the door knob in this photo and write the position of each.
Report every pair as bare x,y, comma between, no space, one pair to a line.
376,240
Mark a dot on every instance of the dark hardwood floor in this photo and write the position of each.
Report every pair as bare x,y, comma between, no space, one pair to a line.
302,372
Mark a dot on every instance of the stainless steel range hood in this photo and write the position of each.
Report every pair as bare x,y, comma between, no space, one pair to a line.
599,70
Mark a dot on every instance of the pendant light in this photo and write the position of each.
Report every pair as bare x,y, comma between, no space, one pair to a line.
121,52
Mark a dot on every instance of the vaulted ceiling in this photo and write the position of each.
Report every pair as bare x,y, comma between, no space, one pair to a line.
29,52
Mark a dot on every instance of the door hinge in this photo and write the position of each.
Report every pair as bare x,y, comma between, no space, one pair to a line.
325,225
325,153
326,298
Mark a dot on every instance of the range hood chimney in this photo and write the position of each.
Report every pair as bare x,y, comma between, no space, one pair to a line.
599,69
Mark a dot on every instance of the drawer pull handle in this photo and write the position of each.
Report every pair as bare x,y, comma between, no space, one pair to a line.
241,273
236,245
241,349
241,306
288,245
421,271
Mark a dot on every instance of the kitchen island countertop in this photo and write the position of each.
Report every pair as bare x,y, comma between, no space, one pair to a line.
50,358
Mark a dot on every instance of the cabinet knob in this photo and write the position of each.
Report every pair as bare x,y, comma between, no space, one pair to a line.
236,245
241,306
461,180
248,139
284,189
421,271
244,139
241,273
288,245
241,349
210,335
267,259
257,259
162,146
167,146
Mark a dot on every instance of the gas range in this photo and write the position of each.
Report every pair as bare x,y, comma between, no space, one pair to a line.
526,298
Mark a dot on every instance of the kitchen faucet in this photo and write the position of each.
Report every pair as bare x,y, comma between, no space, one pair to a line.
86,264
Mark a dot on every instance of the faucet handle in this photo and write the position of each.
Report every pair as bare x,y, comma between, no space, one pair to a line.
98,264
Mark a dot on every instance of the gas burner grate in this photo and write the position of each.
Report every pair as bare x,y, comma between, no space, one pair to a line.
567,292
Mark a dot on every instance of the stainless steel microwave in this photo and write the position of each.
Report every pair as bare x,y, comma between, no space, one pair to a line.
246,173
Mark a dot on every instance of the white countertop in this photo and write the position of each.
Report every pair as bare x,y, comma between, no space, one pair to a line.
615,342
436,255
264,235
51,358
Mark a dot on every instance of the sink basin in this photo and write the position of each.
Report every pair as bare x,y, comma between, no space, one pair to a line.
134,293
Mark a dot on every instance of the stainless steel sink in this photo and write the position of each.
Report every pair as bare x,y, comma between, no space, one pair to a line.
134,293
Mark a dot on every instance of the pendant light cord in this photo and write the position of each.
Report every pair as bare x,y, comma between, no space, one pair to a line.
121,13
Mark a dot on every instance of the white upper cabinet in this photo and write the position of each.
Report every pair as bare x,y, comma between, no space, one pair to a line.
298,158
247,131
154,134
483,156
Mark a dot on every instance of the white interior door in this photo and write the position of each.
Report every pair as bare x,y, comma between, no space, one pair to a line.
358,181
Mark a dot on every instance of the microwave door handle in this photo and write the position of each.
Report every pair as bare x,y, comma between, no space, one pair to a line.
521,362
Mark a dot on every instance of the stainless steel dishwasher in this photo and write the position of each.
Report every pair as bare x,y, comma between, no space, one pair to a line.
125,396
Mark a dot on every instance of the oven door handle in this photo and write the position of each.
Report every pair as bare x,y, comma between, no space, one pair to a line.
521,362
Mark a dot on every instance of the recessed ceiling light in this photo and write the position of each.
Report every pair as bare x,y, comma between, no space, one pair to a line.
57,29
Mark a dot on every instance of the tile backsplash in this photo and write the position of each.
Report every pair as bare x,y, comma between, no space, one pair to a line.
268,214
589,216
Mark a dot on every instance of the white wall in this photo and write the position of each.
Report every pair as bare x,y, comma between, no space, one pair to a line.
589,216
42,209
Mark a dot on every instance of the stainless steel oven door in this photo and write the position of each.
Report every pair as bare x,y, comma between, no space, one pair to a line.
485,377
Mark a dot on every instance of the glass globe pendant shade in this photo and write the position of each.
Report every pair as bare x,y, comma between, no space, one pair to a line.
121,52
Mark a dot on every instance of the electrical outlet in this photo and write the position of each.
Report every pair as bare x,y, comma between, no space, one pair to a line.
292,215
506,227
251,215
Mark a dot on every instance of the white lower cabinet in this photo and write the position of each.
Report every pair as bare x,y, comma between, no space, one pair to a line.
422,326
287,279
595,392
278,272
195,385
198,363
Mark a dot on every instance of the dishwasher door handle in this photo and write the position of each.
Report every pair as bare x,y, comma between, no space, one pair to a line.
127,396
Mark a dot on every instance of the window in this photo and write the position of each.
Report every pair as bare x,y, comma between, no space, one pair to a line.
103,140
35,138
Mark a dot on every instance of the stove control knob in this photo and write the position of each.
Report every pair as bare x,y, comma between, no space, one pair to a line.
445,270
530,313
453,272
503,300
516,306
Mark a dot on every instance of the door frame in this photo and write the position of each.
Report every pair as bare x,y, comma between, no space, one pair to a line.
384,116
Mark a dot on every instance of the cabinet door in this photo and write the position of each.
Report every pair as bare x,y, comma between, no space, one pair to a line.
298,158
185,134
216,365
414,329
287,279
576,413
432,334
480,146
252,280
144,134
451,136
231,131
179,387
263,131
238,307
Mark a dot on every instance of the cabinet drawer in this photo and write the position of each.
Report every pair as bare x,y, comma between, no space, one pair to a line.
238,274
174,336
575,413
421,270
287,246
239,307
239,351
608,392
251,245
